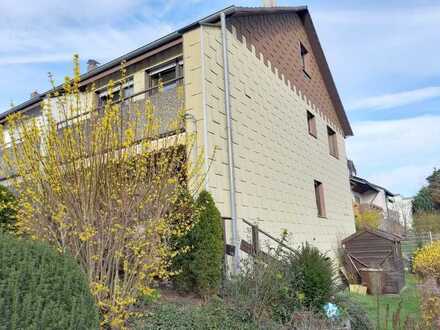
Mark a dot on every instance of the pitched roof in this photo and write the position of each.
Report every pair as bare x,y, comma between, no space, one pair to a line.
215,17
368,185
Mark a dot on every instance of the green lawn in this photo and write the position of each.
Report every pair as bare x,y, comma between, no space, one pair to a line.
410,303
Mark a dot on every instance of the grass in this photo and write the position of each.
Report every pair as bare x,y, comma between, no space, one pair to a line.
408,296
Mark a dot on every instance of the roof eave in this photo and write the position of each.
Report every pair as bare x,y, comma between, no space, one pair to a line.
328,77
231,10
141,50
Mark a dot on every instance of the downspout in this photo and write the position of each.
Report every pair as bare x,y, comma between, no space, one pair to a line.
205,111
232,197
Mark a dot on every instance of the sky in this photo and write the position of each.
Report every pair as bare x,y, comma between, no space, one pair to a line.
384,56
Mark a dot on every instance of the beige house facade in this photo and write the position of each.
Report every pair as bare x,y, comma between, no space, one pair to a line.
273,138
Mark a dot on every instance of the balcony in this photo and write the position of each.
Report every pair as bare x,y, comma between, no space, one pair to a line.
167,102
5,171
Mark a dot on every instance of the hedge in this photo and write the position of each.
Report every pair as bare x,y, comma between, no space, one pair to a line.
201,268
42,289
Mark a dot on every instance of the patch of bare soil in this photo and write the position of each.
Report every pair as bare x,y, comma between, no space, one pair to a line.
170,295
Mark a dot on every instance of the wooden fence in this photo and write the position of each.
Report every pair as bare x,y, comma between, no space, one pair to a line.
253,247
414,241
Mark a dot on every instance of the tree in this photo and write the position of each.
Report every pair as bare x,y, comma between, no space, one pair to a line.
8,209
366,218
428,197
427,222
434,187
423,202
201,268
99,183
426,205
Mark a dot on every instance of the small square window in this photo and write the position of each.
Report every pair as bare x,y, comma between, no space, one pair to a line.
332,142
319,195
304,59
311,123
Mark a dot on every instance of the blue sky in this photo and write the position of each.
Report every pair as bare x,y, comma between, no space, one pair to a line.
383,56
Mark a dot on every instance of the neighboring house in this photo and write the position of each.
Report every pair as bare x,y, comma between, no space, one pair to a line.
403,206
270,110
370,196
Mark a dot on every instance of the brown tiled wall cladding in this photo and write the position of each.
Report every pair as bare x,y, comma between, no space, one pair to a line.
278,38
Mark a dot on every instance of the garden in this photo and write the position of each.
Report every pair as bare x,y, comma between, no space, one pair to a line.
108,227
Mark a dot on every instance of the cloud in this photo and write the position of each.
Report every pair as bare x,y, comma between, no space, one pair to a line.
398,152
370,49
103,42
101,29
404,178
49,12
394,100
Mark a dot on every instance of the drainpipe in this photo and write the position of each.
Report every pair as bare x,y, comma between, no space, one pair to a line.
189,116
232,197
205,111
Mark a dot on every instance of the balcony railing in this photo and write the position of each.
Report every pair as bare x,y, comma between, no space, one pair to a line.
166,100
5,170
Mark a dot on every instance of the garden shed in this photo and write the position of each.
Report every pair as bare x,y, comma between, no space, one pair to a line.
373,249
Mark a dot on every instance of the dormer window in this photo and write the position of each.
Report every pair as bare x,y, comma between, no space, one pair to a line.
304,60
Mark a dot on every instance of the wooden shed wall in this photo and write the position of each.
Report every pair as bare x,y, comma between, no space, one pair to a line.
369,250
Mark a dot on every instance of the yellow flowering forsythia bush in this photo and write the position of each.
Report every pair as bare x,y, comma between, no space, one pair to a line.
427,264
367,218
427,260
100,184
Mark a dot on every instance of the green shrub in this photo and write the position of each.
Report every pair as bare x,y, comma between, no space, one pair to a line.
426,221
357,315
40,289
261,290
311,274
201,267
280,284
180,263
8,209
214,315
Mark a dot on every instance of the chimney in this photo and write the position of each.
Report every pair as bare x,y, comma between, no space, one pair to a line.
34,94
92,65
269,3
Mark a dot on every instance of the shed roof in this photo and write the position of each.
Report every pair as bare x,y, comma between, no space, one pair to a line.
377,232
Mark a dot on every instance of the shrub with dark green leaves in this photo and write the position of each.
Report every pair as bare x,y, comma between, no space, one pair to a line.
8,209
201,268
313,276
41,289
